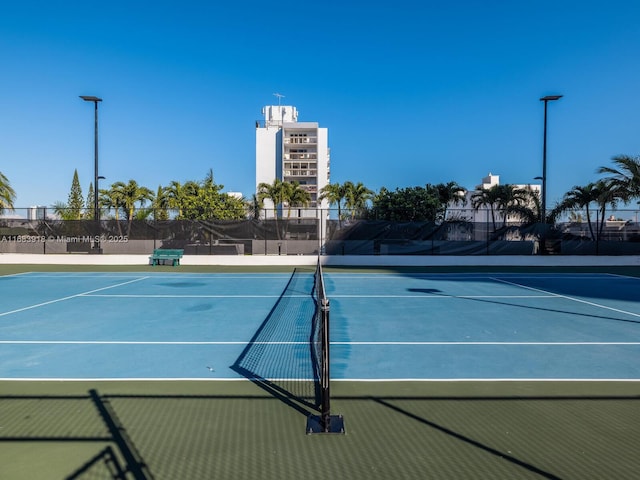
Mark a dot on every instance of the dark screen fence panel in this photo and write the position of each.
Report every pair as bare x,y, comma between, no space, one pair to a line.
310,236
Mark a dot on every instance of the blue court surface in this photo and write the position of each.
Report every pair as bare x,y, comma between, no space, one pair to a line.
383,326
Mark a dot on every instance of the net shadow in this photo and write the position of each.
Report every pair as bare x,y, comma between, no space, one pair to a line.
446,432
281,356
431,291
468,440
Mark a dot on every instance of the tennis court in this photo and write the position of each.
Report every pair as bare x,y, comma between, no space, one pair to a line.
438,375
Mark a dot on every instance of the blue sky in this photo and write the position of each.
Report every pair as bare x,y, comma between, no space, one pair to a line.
411,92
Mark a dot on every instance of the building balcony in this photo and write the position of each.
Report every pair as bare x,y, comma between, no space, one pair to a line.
300,173
300,156
300,140
289,165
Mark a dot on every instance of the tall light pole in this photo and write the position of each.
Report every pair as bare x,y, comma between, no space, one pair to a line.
543,193
96,209
547,99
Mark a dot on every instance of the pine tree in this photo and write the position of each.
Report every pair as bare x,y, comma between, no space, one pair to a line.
89,214
75,204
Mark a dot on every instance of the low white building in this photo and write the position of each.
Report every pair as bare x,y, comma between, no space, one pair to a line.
465,211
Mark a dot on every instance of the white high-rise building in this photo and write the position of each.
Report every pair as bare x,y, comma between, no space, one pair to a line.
292,151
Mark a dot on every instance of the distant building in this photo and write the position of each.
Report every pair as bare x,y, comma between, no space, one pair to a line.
465,211
292,151
489,181
36,213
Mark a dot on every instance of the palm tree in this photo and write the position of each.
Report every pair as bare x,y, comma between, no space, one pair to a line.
529,208
62,210
448,193
275,192
609,194
174,194
508,199
272,191
624,178
254,207
112,199
160,204
211,201
7,194
295,196
334,193
575,217
581,197
357,197
511,198
131,194
489,198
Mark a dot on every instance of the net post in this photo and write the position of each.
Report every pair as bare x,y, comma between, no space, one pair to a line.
325,422
325,408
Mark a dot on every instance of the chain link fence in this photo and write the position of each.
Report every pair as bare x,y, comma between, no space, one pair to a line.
618,235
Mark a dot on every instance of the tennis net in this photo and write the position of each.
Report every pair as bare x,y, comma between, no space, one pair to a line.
289,353
279,356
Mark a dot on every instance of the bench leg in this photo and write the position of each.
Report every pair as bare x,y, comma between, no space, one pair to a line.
163,261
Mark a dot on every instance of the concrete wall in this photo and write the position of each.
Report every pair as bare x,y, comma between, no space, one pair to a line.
337,260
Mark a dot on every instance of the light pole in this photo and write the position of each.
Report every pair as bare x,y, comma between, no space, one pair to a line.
547,99
96,209
543,193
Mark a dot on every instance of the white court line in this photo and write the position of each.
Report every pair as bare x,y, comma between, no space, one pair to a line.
14,274
471,379
469,276
626,277
194,296
489,343
432,296
174,276
130,379
80,275
593,304
30,307
363,380
133,342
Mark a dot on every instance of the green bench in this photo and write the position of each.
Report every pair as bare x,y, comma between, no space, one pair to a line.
165,254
